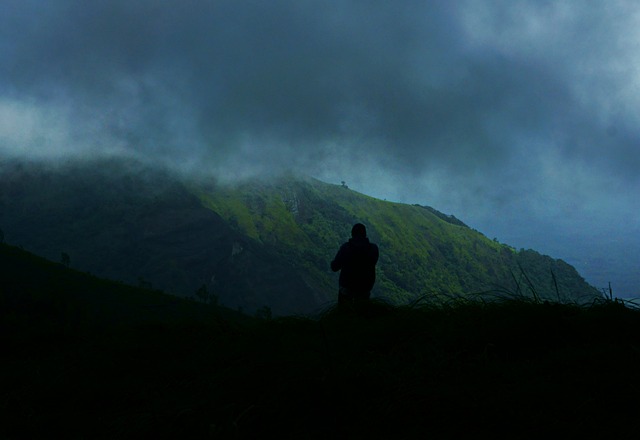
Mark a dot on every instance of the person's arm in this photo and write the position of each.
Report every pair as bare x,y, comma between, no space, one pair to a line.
375,254
337,262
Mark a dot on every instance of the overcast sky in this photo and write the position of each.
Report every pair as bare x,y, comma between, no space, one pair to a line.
522,118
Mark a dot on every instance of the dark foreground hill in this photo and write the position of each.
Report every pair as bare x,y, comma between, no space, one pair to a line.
257,244
86,358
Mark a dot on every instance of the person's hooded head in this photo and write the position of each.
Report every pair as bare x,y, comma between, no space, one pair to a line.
359,231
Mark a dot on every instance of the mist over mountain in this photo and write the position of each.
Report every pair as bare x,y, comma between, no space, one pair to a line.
261,243
519,115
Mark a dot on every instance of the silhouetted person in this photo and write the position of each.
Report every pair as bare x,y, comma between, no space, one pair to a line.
356,260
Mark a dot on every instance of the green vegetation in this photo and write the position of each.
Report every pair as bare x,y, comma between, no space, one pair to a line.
423,251
257,244
87,358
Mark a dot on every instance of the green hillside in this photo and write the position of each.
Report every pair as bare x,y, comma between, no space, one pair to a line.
258,244
87,358
424,253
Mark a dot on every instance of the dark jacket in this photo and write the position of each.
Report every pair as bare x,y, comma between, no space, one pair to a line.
356,260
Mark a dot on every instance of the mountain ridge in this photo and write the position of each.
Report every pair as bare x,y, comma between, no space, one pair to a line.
258,243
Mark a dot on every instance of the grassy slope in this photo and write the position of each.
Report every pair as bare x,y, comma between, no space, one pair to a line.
138,224
130,222
87,358
422,253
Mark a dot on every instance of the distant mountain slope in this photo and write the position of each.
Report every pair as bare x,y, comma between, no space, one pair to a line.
259,243
423,252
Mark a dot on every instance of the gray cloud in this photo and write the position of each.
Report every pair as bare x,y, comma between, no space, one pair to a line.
402,80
